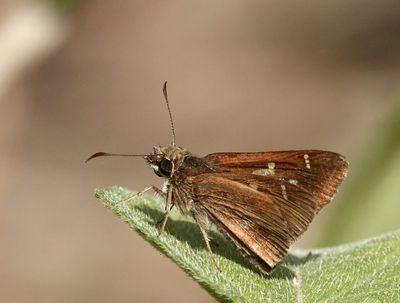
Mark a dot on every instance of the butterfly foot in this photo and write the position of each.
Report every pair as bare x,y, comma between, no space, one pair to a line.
215,262
160,230
162,223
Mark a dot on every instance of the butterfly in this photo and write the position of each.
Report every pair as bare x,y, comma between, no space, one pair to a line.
260,201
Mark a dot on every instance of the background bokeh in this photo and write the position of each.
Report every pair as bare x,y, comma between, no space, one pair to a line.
79,77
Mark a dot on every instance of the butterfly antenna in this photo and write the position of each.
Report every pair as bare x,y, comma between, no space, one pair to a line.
169,112
103,154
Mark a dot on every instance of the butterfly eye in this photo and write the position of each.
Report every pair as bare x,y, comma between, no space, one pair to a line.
165,168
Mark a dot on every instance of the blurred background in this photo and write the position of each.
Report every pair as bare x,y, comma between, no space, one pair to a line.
78,77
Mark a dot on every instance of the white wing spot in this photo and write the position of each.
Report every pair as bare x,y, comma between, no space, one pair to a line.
293,181
307,161
284,193
265,171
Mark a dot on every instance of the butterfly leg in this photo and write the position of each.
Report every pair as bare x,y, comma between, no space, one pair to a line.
168,206
138,194
206,239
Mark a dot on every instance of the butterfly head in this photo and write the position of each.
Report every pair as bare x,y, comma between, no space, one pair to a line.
165,160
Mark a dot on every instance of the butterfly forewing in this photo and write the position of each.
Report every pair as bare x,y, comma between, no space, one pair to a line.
318,173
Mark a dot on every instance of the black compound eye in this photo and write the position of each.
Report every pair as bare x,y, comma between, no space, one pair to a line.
165,168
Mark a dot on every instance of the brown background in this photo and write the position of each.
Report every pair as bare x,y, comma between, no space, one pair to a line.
243,76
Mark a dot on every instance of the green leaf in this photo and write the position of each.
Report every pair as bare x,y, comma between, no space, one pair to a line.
367,271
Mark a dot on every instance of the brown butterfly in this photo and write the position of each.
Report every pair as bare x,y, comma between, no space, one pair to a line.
262,202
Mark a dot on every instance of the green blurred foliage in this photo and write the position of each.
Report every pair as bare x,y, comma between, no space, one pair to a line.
65,5
368,204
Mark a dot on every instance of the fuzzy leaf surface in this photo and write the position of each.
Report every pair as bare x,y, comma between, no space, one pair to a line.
365,271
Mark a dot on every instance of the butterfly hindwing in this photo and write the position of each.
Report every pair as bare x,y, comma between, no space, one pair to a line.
258,228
